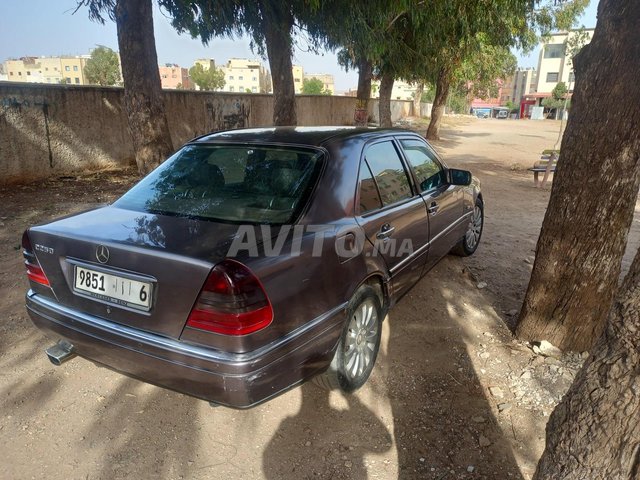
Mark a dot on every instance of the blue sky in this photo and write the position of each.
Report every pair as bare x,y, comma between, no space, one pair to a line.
47,27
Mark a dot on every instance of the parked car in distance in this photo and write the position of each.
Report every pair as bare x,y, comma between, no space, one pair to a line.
252,260
502,114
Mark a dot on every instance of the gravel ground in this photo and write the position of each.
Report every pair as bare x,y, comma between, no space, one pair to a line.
453,395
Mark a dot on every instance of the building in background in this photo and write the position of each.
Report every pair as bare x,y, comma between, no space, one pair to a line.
246,76
401,90
206,63
554,62
298,77
173,76
327,80
62,69
521,83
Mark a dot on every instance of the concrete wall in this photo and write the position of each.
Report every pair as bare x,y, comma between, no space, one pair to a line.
48,130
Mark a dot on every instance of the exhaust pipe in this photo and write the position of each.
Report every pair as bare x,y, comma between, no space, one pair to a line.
60,353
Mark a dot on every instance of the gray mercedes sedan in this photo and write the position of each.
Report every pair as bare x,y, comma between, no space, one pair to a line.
252,260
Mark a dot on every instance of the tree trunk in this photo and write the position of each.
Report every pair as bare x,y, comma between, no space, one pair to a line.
384,102
142,89
365,73
443,83
278,22
594,193
417,99
594,433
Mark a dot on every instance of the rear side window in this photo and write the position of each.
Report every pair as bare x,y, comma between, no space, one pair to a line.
369,196
386,167
427,169
243,184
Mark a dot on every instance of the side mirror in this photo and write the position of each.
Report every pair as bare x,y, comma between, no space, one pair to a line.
459,177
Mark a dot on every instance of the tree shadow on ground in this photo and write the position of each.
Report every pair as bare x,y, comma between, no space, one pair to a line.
144,432
326,438
444,420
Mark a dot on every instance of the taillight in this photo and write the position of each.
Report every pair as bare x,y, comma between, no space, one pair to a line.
34,270
232,302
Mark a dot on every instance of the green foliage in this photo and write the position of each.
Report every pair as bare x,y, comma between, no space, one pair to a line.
313,86
428,95
103,68
559,91
512,106
557,98
574,43
210,79
458,103
479,73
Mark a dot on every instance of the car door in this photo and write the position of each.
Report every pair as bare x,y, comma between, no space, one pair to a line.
443,200
392,214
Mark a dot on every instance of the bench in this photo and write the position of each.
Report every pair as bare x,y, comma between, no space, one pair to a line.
547,165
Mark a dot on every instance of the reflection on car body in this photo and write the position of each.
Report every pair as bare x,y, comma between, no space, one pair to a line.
328,227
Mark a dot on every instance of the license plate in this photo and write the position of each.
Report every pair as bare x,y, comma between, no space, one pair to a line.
113,288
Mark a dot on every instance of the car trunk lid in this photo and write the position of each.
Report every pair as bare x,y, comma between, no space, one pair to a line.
151,267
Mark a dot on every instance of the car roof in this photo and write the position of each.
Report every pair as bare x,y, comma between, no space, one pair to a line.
312,136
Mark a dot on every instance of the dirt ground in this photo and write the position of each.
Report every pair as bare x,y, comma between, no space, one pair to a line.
453,395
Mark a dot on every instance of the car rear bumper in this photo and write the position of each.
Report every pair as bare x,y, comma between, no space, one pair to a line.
239,380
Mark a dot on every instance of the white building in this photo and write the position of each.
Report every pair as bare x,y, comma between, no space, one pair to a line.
401,90
246,76
554,63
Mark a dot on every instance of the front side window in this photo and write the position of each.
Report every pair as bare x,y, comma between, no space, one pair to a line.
233,183
386,167
425,165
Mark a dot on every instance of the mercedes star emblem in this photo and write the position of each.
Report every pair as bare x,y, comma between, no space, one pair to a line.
102,254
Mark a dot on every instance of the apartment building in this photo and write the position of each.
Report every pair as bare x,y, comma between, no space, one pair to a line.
242,75
173,76
554,63
327,80
64,69
401,90
521,83
206,63
298,77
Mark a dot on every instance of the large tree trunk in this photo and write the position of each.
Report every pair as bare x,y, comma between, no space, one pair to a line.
417,98
384,102
443,83
278,22
594,193
365,74
594,433
142,88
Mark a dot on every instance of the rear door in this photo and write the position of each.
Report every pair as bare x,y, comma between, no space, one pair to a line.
392,213
444,201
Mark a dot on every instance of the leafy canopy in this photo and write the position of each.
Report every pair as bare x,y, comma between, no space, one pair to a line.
209,79
558,96
313,86
480,73
103,68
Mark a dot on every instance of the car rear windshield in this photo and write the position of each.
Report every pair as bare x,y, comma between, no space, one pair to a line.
232,183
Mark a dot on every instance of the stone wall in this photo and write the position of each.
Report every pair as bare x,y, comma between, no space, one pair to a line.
48,130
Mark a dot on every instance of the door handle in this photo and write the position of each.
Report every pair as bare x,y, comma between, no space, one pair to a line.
433,208
385,231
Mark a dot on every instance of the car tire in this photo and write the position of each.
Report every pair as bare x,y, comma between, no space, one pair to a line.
358,346
468,244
